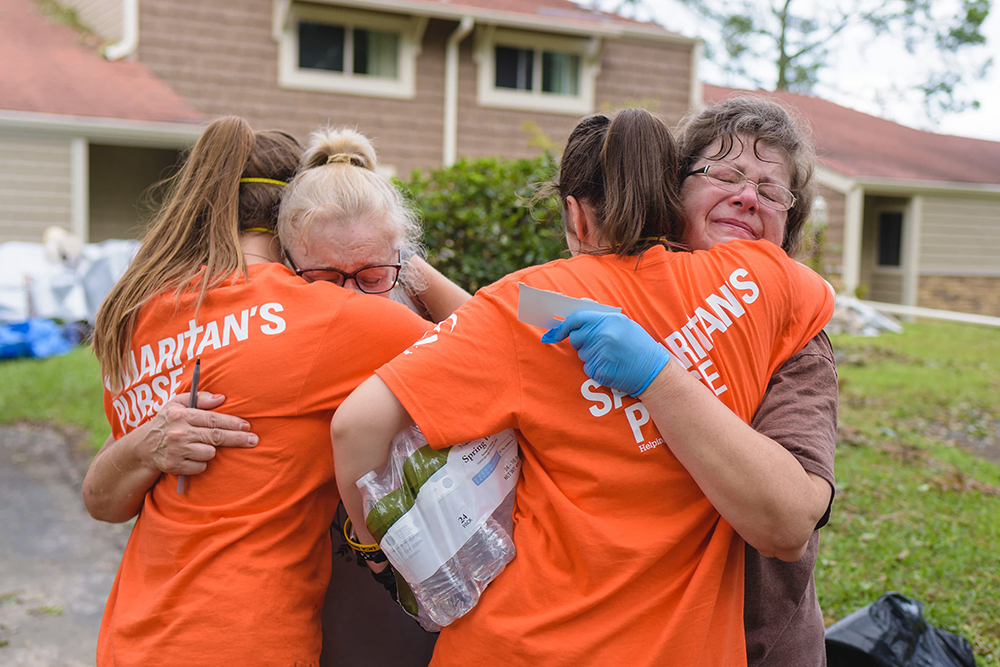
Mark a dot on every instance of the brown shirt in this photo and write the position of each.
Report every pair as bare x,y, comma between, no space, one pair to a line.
783,621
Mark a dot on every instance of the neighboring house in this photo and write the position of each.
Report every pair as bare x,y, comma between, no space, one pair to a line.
427,80
912,217
80,137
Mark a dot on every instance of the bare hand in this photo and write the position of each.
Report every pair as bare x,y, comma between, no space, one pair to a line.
181,439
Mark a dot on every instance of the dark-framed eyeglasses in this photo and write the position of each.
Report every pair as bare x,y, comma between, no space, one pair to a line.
732,179
373,279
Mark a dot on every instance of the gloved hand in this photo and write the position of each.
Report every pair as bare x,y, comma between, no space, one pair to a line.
615,351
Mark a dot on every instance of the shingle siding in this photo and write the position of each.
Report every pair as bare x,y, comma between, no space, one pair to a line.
222,59
660,83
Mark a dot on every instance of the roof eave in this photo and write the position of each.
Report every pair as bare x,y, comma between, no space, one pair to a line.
843,183
433,9
108,130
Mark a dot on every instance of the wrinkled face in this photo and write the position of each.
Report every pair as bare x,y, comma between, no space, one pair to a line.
348,247
717,216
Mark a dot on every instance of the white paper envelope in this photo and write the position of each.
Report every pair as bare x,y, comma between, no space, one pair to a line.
545,309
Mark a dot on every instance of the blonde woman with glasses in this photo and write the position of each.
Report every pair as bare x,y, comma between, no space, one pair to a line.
231,567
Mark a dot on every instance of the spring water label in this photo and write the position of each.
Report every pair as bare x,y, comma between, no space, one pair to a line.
452,504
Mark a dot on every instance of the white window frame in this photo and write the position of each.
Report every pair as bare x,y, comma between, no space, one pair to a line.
409,28
488,95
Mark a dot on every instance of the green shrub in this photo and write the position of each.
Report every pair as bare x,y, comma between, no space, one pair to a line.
479,221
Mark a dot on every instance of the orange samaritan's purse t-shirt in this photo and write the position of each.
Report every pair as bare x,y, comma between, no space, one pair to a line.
234,571
621,560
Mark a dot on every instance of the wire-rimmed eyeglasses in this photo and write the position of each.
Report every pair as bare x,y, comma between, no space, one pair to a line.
732,179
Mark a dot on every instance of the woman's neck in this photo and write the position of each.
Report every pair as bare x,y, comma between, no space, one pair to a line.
259,248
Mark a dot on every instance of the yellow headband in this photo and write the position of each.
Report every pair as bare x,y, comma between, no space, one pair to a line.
270,181
261,229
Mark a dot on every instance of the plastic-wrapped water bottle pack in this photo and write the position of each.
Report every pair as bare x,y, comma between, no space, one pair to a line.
444,520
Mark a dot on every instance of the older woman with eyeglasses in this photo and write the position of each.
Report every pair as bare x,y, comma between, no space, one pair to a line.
232,570
748,170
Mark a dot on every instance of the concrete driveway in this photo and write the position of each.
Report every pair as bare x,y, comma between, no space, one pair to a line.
56,563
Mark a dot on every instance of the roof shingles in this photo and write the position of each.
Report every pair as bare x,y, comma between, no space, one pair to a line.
47,70
859,145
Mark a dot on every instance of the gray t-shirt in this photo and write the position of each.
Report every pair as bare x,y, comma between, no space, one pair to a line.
781,615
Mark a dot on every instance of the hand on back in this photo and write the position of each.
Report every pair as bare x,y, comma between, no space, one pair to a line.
615,351
181,440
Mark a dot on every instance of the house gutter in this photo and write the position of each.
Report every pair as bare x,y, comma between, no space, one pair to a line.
541,21
113,131
130,32
451,89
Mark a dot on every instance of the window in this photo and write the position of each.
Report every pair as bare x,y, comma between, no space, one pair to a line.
321,46
350,52
560,73
515,68
536,72
890,238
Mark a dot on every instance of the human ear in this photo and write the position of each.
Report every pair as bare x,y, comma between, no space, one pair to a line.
579,219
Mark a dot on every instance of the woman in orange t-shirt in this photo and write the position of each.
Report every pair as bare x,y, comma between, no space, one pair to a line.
622,558
232,570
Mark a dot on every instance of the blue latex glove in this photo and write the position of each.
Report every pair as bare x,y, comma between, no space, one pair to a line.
615,351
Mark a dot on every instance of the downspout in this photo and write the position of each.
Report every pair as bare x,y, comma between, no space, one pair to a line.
451,89
130,32
696,97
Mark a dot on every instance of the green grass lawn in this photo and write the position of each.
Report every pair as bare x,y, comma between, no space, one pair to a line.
915,512
65,391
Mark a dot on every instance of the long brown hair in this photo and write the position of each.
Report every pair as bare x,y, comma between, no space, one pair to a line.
625,168
196,230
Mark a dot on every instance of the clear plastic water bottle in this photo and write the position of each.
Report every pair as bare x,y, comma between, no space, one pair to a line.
456,586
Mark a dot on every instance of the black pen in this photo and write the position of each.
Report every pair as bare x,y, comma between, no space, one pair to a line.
193,403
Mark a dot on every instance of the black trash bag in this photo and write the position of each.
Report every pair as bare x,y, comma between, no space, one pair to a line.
892,632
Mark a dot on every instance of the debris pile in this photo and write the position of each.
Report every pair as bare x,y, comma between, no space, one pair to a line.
854,317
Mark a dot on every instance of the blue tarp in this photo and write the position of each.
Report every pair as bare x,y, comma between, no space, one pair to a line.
36,338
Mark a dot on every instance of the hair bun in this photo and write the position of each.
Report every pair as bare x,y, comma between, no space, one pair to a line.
339,146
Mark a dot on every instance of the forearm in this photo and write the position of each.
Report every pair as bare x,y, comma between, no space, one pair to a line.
362,432
118,479
754,482
439,295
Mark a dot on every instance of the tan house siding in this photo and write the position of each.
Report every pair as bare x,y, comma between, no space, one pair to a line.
649,74
104,17
661,85
119,179
34,186
960,236
222,59
964,294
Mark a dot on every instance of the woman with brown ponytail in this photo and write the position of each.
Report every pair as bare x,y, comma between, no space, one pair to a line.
233,569
622,559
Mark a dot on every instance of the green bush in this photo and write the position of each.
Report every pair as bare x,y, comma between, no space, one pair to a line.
479,221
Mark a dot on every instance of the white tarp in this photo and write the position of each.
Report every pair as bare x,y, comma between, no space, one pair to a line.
33,285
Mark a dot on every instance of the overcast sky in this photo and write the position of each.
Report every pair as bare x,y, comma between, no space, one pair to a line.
862,75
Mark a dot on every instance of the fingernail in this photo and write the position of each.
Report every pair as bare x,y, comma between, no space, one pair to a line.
218,396
244,426
253,440
547,337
